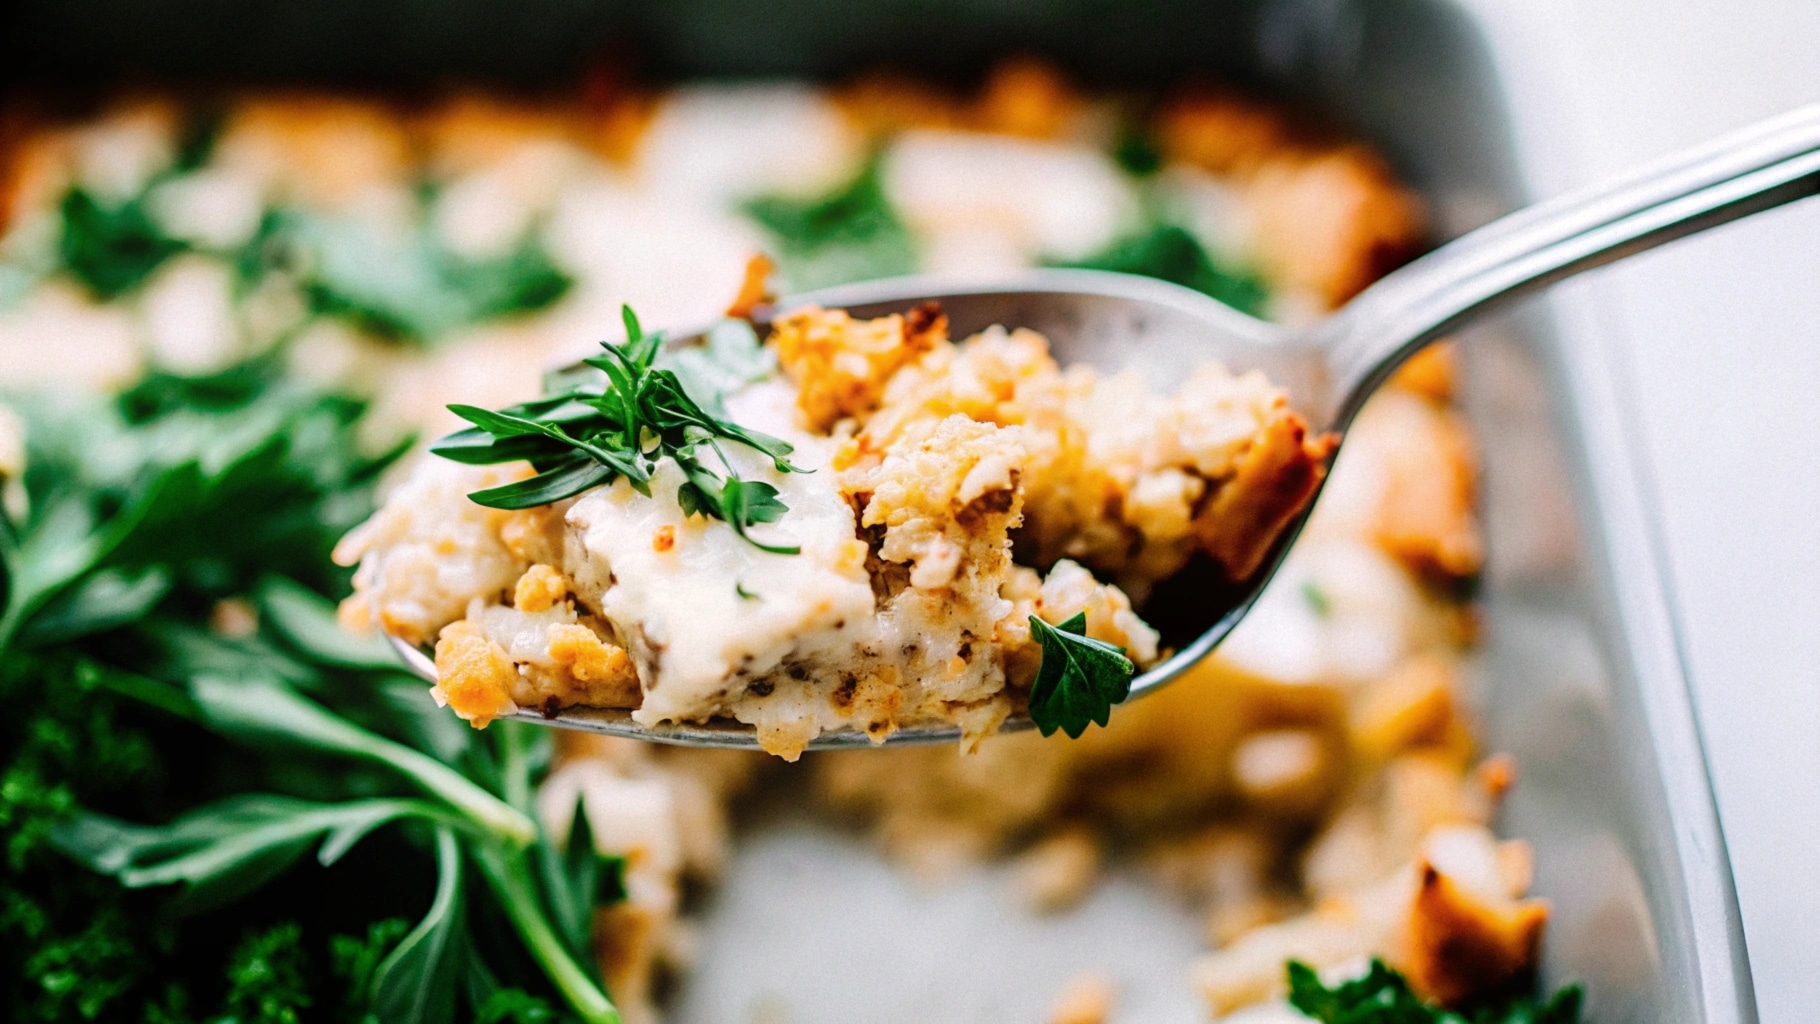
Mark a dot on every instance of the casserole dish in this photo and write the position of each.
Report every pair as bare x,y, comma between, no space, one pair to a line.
1579,677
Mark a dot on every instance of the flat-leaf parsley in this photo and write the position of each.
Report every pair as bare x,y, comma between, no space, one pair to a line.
1080,679
1382,996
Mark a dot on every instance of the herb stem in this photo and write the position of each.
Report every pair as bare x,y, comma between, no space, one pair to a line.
9,623
518,896
515,765
268,708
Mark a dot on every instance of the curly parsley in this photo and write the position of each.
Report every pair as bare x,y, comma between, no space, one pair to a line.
190,818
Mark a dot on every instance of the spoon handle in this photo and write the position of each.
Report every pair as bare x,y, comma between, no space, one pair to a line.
1761,167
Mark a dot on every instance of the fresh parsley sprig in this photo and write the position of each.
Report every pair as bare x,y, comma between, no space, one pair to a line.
591,433
1080,678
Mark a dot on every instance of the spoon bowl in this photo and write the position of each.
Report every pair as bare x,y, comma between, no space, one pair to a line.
1329,368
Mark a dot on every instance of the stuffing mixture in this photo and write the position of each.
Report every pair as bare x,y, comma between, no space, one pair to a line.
923,460
1315,788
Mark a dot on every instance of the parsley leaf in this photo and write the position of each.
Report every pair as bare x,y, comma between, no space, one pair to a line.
355,958
415,982
576,877
850,234
1382,996
730,358
408,286
222,851
111,249
514,1006
592,432
1171,253
1079,680
255,757
1137,152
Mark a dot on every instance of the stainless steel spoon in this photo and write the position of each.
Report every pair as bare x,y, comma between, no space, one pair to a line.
1330,367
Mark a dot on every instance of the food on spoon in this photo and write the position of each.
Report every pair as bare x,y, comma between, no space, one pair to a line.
1298,770
887,528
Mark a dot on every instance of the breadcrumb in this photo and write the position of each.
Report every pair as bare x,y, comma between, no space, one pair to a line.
474,677
840,364
1059,871
1087,999
539,589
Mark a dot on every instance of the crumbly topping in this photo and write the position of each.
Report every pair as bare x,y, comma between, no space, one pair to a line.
931,465
539,589
841,364
474,676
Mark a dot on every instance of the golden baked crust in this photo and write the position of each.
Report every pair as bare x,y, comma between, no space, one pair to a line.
841,365
1271,483
1331,223
1427,509
539,589
1331,216
1460,943
1112,477
539,652
1021,97
474,677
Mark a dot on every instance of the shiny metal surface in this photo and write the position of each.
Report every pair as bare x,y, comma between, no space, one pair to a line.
721,733
1331,367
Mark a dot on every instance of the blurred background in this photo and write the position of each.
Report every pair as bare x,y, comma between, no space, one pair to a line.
1722,341
1717,340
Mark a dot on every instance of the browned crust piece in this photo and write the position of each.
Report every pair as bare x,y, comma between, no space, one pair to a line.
13,131
1276,479
1461,946
841,365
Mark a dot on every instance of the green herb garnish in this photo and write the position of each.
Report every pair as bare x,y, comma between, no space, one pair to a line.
265,975
1172,253
170,796
591,433
411,288
1079,680
850,234
1383,996
744,594
1317,598
730,358
112,248
1137,152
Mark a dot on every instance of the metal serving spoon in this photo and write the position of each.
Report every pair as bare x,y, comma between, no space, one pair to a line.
1331,367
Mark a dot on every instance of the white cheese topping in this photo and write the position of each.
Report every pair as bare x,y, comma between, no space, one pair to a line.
671,585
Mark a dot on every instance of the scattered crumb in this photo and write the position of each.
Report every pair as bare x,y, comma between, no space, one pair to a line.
1287,771
234,616
1087,999
1058,872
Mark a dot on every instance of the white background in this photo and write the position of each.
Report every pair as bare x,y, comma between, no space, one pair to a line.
1723,334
